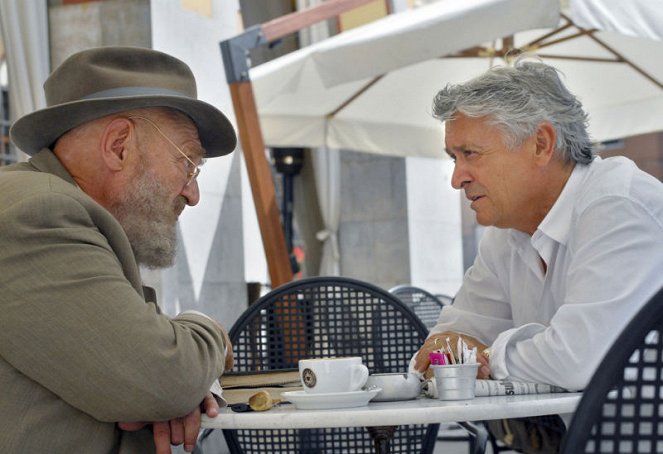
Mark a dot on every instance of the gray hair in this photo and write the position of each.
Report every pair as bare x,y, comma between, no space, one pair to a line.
517,99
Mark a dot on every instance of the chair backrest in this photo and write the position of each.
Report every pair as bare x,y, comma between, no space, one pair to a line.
621,409
426,305
321,317
445,299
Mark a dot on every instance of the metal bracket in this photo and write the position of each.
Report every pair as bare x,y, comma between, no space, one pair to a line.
235,53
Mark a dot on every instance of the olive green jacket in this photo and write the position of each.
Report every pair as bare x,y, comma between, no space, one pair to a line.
80,348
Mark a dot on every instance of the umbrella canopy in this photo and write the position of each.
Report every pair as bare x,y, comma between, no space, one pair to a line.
638,18
370,89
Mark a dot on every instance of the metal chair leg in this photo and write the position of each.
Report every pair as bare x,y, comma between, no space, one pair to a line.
479,437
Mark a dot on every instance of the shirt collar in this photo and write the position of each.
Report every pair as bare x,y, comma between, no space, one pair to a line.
557,222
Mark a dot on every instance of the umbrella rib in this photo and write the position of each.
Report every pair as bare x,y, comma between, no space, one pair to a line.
590,33
535,44
354,96
619,58
556,31
507,45
625,60
571,57
472,52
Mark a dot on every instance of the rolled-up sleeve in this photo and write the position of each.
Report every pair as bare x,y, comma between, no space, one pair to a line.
610,271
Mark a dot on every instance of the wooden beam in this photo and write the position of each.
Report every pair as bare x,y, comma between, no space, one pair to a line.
293,22
262,184
235,52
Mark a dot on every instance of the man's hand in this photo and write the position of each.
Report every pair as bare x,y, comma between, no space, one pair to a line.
178,430
230,359
439,340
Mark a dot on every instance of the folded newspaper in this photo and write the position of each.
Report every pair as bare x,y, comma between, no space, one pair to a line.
500,388
239,386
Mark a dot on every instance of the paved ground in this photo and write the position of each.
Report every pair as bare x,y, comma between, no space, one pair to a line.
445,447
457,447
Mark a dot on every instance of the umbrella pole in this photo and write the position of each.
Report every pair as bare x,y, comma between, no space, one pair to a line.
260,177
235,52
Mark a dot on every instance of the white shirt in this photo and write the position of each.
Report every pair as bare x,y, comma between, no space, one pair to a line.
602,242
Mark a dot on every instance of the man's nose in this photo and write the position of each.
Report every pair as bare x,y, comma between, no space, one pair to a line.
191,193
460,176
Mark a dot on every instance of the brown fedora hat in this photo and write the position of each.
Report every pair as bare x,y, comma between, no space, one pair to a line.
106,80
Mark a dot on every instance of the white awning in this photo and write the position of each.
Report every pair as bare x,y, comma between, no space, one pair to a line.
371,88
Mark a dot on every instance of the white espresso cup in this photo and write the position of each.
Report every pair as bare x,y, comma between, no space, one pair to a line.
332,375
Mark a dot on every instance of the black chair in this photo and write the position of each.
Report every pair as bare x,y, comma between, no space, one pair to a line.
426,305
445,299
621,409
319,317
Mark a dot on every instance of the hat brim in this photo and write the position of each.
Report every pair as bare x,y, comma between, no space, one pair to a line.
42,128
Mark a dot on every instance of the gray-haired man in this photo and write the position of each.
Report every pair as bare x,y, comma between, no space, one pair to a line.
574,244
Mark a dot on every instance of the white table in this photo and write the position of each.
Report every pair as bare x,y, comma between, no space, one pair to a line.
386,414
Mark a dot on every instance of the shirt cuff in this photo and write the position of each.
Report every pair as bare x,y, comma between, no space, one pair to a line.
506,339
217,392
192,312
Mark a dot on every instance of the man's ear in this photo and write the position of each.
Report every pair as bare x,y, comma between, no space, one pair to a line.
546,137
115,141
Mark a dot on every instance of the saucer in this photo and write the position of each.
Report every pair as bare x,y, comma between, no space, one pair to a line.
309,401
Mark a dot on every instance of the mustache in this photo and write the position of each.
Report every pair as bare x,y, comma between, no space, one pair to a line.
180,204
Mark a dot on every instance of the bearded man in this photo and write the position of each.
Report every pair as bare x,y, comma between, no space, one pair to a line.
88,363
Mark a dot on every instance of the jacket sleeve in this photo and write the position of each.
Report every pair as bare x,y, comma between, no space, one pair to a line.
73,322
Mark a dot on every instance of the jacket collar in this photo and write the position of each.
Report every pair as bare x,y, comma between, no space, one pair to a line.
46,161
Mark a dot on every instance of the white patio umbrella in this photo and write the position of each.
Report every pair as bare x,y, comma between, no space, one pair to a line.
639,18
370,89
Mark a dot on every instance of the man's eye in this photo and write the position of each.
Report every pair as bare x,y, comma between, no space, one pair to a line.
470,154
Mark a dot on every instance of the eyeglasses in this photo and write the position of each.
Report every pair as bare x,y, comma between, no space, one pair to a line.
193,170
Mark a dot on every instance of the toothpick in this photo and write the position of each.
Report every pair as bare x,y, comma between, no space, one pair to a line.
451,352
